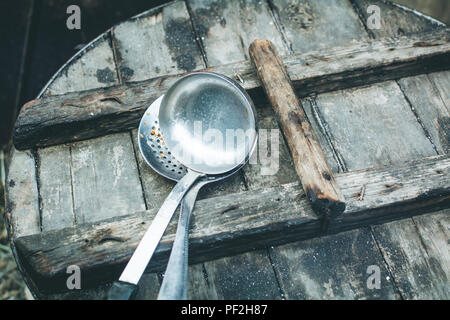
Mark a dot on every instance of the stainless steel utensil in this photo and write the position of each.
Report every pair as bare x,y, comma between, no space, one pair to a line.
202,93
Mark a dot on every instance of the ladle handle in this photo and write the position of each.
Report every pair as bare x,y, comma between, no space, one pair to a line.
174,285
144,251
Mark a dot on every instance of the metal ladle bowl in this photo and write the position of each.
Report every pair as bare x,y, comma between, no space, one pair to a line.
206,105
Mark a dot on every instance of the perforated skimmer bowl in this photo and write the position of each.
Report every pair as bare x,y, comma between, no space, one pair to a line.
154,149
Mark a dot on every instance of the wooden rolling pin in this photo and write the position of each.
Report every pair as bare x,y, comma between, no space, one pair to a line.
315,174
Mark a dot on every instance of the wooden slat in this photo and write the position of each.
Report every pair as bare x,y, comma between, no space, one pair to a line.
22,216
93,67
226,28
246,276
409,284
418,256
55,188
375,124
158,42
326,268
105,178
394,21
256,218
83,115
421,94
22,203
316,25
273,165
442,82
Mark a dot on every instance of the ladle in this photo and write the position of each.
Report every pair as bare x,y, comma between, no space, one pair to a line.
204,99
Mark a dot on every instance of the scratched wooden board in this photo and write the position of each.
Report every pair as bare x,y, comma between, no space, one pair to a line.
160,41
93,66
385,139
423,93
332,267
55,187
416,251
94,179
22,205
272,163
442,82
21,200
314,25
430,107
376,124
227,28
341,111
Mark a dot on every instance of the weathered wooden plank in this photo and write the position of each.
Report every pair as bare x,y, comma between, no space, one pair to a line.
199,287
22,216
227,28
238,222
272,165
94,64
392,135
310,106
248,276
105,178
394,21
417,253
442,82
428,106
403,22
55,188
309,160
357,141
79,116
325,268
22,198
94,179
93,67
315,25
158,42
